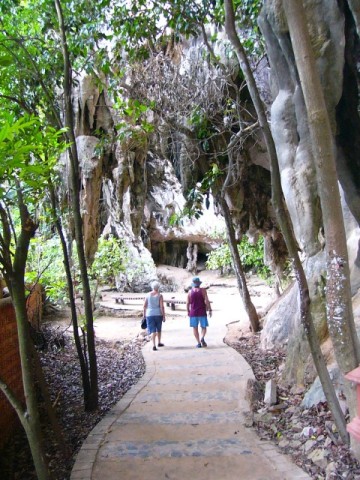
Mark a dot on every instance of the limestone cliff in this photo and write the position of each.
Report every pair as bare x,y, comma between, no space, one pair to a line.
333,33
134,181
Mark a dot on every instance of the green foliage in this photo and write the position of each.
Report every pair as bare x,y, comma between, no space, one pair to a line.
175,219
196,197
193,208
246,15
139,27
31,73
45,265
201,124
210,177
251,255
28,153
220,259
110,259
132,109
195,200
29,77
247,12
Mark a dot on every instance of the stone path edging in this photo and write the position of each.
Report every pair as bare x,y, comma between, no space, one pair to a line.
86,457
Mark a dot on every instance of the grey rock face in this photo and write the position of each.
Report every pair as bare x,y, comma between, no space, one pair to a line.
134,186
130,191
329,36
282,320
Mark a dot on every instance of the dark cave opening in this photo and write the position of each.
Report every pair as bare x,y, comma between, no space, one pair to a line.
174,253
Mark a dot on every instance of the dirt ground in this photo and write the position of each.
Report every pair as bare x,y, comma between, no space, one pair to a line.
115,321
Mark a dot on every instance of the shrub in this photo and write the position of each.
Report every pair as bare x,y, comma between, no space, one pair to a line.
251,255
110,259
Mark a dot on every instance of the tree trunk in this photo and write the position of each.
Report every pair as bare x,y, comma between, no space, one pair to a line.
338,290
286,227
239,271
91,402
83,364
30,418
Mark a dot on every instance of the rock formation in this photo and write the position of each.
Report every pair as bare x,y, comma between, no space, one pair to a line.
332,30
134,182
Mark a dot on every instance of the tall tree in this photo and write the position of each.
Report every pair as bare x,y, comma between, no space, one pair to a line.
82,355
338,291
30,53
191,107
91,396
22,181
286,226
239,271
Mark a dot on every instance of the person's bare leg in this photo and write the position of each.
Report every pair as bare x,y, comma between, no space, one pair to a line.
159,338
196,334
154,339
203,333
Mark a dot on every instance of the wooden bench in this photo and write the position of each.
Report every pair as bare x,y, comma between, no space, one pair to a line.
172,302
122,299
169,302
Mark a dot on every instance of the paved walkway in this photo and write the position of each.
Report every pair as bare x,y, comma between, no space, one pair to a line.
184,419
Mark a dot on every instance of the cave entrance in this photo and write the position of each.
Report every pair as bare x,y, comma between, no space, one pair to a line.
180,253
201,261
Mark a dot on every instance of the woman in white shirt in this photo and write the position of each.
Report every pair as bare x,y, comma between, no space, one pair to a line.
154,312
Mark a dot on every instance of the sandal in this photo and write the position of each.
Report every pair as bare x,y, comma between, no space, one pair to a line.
161,345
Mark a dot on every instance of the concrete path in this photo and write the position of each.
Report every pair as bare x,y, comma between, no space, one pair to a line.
184,419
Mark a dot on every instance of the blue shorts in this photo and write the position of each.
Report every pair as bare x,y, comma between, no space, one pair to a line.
194,322
154,323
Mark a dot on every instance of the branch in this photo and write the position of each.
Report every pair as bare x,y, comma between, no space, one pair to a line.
28,229
5,240
211,51
11,223
237,135
19,102
15,403
20,43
